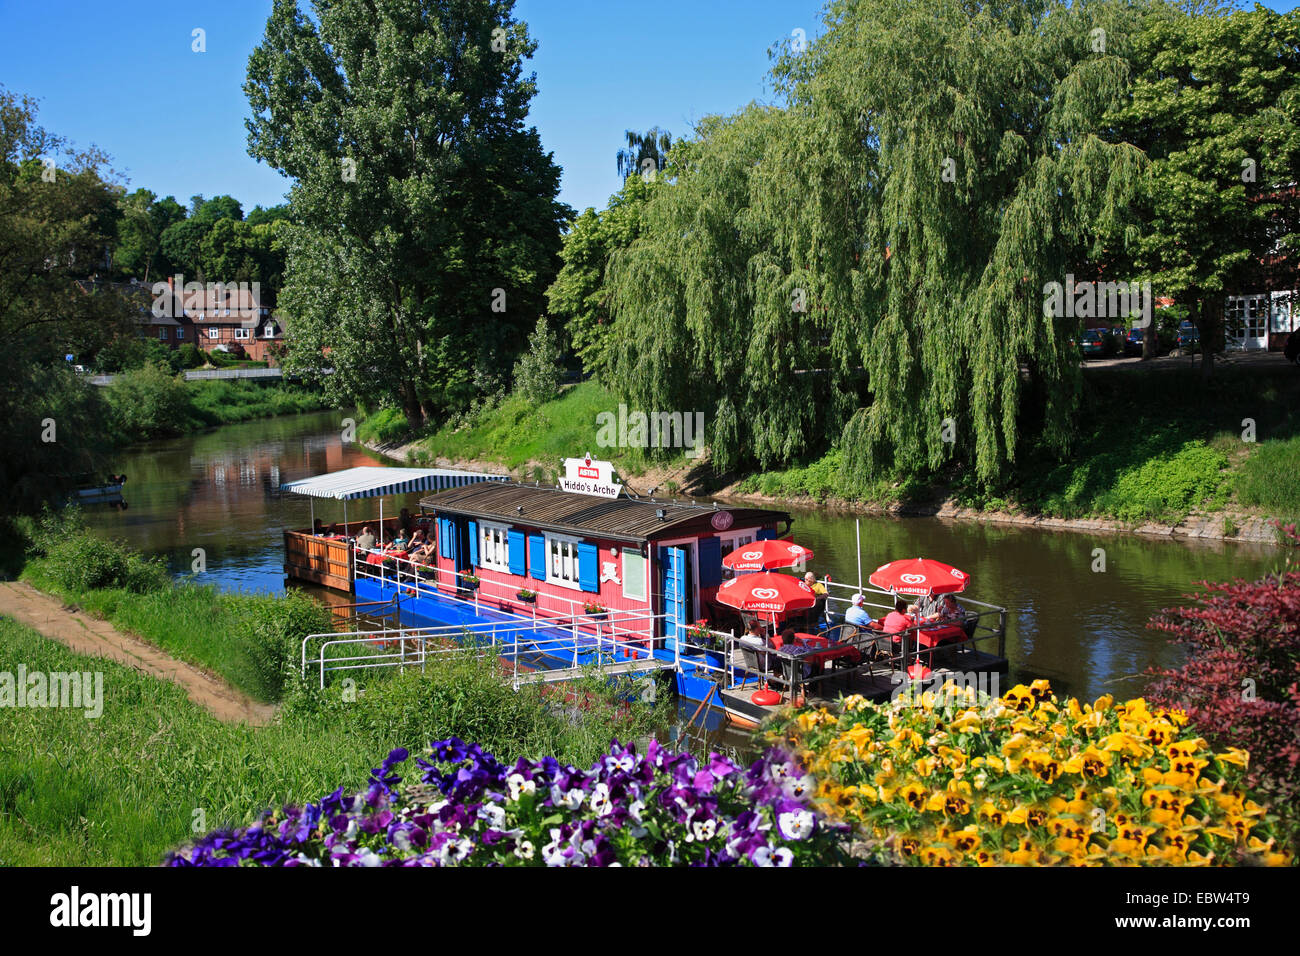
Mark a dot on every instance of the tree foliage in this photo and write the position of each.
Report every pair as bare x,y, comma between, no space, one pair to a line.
426,222
539,371
56,221
579,297
1215,106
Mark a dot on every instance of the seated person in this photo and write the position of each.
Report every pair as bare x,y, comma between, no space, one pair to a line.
757,639
366,540
788,639
857,614
417,541
900,618
399,541
946,609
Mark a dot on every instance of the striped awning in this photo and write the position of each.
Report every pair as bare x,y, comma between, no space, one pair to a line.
374,482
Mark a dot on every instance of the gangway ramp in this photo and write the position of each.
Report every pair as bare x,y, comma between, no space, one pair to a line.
560,674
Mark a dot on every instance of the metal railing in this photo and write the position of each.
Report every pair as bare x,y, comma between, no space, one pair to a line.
413,579
529,642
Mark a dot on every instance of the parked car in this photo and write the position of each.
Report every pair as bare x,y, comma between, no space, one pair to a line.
1133,342
1189,337
1094,343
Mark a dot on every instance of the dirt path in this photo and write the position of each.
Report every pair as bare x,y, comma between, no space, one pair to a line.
87,635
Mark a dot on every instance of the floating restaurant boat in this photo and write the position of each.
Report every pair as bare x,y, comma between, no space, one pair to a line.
595,576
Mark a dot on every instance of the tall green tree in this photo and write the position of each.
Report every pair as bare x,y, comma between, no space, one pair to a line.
579,298
58,217
1216,108
427,227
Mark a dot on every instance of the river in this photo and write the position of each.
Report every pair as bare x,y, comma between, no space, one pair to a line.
1085,630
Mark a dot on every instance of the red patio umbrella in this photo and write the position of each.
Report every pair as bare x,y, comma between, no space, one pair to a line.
766,555
919,576
767,592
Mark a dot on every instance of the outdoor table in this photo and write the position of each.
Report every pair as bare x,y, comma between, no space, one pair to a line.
935,634
803,650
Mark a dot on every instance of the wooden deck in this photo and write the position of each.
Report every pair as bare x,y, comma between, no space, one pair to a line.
876,685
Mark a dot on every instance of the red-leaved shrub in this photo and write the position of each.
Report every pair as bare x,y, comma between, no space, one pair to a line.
1240,686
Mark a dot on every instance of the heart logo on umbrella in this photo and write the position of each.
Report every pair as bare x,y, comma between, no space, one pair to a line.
912,578
766,594
752,555
959,575
795,549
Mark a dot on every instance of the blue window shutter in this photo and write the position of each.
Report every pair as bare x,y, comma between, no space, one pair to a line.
518,560
710,551
765,534
537,557
444,538
473,543
588,570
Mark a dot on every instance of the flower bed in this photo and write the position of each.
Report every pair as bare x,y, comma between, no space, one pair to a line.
659,808
1028,779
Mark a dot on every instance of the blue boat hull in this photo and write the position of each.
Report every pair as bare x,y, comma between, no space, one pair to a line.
426,609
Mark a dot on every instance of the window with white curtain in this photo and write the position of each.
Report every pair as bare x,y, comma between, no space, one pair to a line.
562,561
494,547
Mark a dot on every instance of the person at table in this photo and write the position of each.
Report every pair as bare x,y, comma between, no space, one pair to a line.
901,617
946,609
756,638
399,541
366,540
857,614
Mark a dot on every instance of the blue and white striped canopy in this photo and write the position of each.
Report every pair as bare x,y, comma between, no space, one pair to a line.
374,482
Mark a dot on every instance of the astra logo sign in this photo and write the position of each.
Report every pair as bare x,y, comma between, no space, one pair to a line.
75,909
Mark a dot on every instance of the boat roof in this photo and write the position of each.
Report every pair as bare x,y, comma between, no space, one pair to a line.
621,519
377,481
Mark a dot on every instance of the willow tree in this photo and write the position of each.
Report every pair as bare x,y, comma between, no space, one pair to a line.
426,225
712,312
990,174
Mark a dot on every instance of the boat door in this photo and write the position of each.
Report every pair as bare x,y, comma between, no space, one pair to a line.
675,577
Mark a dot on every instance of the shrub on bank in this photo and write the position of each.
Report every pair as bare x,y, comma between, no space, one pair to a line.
1240,679
948,779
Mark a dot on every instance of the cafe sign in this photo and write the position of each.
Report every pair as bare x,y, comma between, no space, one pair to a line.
585,476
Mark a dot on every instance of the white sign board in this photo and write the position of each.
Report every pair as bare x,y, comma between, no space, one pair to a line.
583,476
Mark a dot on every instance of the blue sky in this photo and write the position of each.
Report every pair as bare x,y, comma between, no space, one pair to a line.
121,75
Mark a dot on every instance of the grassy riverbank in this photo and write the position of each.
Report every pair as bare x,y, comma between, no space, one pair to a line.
1152,446
124,788
127,786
